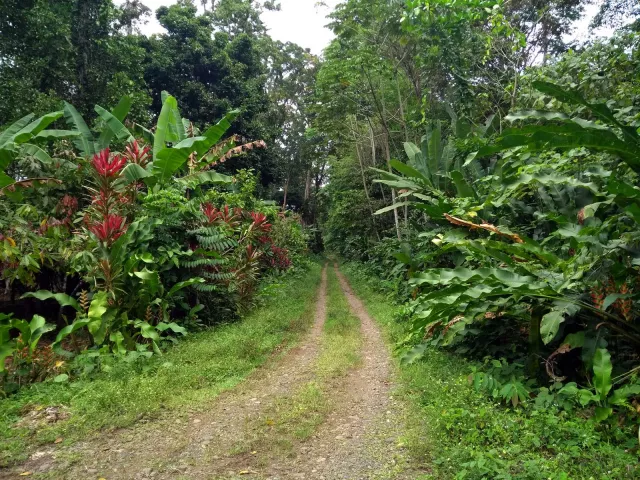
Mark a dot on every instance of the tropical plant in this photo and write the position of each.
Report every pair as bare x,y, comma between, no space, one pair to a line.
25,137
602,393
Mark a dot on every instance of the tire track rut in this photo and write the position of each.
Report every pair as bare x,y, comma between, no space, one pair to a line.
169,447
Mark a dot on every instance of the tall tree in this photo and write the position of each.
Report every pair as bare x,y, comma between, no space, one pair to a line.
241,16
74,50
211,72
616,13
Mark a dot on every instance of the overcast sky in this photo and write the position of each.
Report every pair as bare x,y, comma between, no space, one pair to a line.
299,21
303,22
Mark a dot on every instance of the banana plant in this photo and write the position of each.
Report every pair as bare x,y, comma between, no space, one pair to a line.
22,139
417,189
89,143
172,148
433,159
432,175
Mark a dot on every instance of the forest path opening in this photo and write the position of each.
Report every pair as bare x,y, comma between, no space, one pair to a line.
361,437
341,425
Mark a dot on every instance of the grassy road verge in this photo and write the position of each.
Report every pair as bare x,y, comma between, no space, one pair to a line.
455,432
197,369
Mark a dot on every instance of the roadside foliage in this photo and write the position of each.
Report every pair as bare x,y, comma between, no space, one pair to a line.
476,160
487,178
126,240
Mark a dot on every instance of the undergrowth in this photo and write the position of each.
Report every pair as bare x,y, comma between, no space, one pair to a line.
455,432
194,371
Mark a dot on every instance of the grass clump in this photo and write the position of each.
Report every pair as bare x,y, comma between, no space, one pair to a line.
454,432
342,339
196,370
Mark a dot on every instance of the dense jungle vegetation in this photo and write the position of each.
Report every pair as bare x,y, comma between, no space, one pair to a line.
473,164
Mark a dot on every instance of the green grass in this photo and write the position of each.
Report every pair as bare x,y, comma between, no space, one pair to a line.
197,369
455,432
296,417
342,339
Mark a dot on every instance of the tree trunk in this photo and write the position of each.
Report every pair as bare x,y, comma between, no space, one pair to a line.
307,186
286,189
387,152
406,139
373,159
404,121
535,341
364,178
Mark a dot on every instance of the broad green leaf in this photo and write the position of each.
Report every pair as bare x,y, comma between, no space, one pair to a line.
113,127
392,207
463,188
574,340
38,327
146,134
169,161
602,369
65,332
8,153
602,413
413,355
585,397
600,110
620,396
215,132
84,142
203,178
36,323
175,127
117,338
412,150
5,180
445,276
62,298
589,124
6,350
612,298
174,327
569,389
152,280
162,127
180,285
121,110
36,127
491,126
619,187
30,150
58,135
133,173
550,324
148,331
535,115
633,211
7,135
409,171
98,317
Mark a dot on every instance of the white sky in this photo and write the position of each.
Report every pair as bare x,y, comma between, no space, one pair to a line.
298,21
303,22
